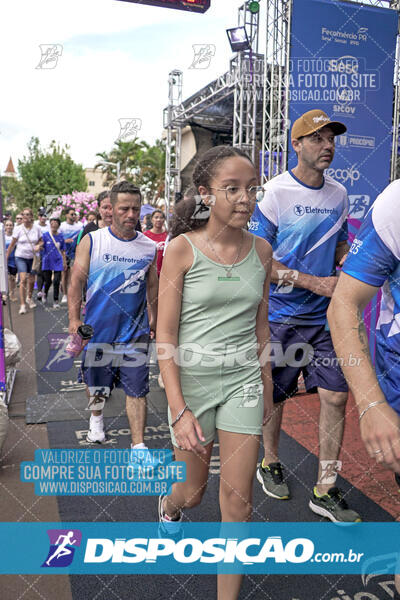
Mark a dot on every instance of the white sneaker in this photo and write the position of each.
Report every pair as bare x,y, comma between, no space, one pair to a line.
44,298
64,299
22,310
96,433
39,295
31,303
56,305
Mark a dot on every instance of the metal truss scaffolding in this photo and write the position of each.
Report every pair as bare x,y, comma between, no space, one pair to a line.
251,99
248,69
174,134
233,101
276,78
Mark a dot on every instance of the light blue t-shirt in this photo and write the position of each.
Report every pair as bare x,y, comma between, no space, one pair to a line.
304,226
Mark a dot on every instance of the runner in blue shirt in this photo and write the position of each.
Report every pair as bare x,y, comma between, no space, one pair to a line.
53,260
373,263
70,230
303,216
11,264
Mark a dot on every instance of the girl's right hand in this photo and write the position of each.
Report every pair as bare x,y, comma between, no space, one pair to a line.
188,432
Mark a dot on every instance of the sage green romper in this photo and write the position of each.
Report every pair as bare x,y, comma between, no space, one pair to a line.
219,368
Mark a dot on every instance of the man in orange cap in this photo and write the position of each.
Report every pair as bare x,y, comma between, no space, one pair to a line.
303,216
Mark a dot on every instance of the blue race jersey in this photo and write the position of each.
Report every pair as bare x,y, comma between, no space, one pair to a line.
51,254
374,258
116,305
304,226
70,232
11,258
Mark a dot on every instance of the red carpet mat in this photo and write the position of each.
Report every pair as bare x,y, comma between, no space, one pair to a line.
300,420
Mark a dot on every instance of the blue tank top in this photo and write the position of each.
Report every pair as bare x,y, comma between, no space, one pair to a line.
116,288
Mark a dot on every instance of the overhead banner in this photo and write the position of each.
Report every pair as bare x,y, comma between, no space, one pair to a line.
342,61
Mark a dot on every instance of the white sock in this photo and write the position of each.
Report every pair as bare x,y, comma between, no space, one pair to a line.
140,446
97,418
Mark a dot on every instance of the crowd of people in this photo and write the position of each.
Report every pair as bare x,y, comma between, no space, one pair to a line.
233,291
41,252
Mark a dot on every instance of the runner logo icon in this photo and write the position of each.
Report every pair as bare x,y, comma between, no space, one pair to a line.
63,543
299,210
107,257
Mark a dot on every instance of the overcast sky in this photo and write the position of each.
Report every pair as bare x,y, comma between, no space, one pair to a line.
115,61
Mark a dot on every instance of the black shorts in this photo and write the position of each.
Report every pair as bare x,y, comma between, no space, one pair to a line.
12,270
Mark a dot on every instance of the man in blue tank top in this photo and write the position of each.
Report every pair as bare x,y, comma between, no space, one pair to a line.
119,266
303,216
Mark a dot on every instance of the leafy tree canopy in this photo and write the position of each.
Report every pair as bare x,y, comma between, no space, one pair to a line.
49,171
139,162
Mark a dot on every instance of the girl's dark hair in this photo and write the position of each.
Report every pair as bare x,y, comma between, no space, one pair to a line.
209,162
183,219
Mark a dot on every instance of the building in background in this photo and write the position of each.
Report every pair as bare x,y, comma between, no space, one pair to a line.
96,180
10,171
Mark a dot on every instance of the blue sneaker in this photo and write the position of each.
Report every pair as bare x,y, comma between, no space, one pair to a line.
142,458
169,528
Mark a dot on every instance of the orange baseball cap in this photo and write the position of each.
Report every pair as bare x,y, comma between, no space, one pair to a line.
312,121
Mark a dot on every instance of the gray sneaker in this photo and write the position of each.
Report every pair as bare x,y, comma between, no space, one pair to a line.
332,506
271,479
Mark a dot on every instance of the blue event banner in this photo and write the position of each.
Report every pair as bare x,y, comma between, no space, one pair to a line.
344,64
105,472
252,548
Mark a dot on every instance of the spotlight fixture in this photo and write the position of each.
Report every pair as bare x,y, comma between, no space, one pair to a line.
238,39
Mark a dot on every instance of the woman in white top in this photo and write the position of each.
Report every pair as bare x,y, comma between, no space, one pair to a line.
26,239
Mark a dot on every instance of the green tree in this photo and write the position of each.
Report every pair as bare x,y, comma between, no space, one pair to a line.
124,153
14,194
49,171
141,163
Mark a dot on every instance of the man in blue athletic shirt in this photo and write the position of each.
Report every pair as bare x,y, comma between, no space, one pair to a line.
119,266
70,229
303,216
373,263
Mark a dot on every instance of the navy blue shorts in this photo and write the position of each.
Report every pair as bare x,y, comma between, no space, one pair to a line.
305,349
104,367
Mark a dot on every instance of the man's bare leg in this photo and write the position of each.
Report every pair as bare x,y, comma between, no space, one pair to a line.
271,433
136,411
331,428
